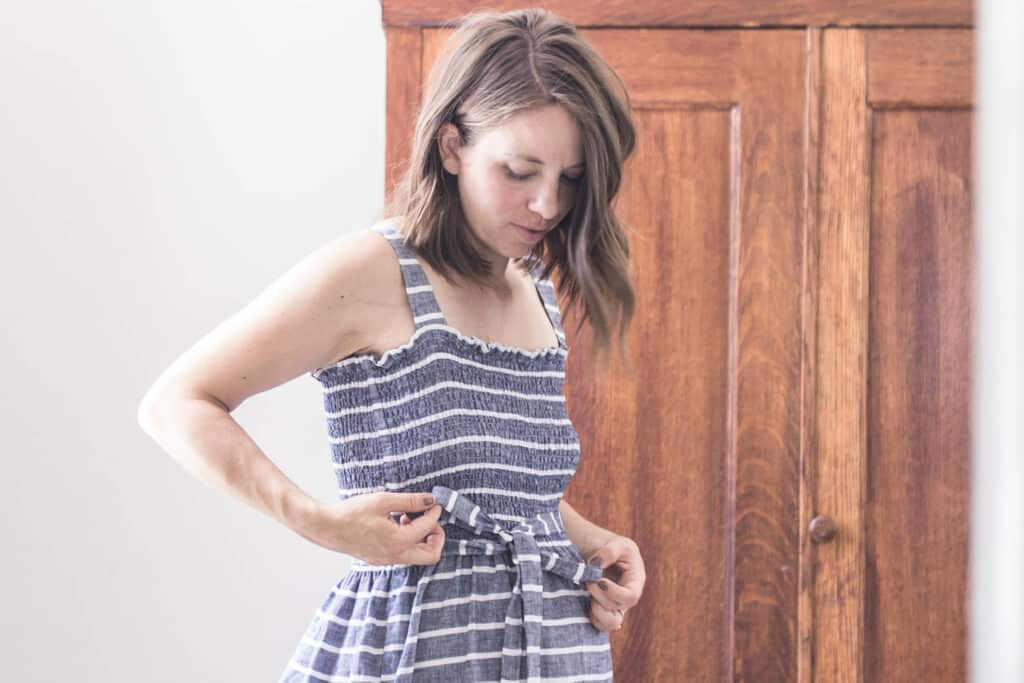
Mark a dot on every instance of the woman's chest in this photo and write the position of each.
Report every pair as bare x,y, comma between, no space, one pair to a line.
518,320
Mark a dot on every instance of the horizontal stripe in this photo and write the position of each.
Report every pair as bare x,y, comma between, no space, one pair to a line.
370,620
434,358
438,386
360,596
442,445
443,415
462,659
359,678
550,624
400,486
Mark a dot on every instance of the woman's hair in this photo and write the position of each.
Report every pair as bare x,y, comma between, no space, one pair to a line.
496,65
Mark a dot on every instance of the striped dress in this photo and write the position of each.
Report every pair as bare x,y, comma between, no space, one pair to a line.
484,427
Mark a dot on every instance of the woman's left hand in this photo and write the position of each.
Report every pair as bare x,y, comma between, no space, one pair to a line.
611,597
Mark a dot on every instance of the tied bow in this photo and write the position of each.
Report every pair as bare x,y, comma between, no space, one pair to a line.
520,540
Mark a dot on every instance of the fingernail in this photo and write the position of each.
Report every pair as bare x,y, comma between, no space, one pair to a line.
595,562
428,500
603,584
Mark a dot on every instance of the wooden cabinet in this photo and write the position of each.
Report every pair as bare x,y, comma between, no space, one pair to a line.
792,451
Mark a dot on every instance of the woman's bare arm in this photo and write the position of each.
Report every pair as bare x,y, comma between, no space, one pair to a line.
585,535
312,315
206,440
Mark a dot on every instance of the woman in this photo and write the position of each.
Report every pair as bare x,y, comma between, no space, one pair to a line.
437,338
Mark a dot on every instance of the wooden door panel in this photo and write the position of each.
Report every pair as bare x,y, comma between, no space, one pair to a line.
916,512
697,456
655,447
890,434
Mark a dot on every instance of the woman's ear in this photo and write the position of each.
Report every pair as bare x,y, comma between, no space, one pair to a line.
449,142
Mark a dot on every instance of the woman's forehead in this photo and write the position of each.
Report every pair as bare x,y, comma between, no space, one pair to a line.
547,144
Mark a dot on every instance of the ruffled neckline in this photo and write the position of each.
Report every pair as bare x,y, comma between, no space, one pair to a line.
477,343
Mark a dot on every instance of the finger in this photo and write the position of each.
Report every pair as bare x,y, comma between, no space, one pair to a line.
407,502
431,542
427,550
606,620
633,580
612,597
421,526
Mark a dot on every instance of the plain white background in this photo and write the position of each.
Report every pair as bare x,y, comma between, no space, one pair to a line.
162,163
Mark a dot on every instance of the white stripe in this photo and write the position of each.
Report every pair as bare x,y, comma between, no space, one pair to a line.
419,289
354,649
444,661
437,417
438,386
553,651
561,593
361,621
436,576
360,596
503,492
530,445
549,623
506,652
435,315
448,471
462,600
436,604
357,678
547,529
436,356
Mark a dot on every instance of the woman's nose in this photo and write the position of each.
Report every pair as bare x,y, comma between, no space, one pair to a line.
545,203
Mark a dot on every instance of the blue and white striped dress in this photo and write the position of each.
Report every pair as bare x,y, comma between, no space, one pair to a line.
484,427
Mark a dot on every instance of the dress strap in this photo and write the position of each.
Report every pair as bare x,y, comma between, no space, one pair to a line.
546,291
418,290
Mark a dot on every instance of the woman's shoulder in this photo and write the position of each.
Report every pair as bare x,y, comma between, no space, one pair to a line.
366,256
368,275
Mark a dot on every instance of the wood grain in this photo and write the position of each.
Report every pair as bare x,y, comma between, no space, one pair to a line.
707,13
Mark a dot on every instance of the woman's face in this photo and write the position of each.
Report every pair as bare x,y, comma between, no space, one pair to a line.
499,187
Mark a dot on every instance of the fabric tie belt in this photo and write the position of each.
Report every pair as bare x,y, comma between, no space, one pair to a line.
526,555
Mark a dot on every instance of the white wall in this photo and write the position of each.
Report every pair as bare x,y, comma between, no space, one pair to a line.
996,572
160,164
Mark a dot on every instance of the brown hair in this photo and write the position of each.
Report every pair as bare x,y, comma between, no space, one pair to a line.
495,65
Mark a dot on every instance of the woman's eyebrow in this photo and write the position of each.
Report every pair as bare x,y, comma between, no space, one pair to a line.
535,160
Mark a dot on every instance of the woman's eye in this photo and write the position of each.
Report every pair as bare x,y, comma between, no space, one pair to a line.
516,176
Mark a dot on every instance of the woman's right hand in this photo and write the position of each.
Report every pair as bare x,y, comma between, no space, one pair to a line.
362,526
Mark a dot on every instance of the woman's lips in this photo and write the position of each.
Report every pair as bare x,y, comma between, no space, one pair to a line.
530,235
